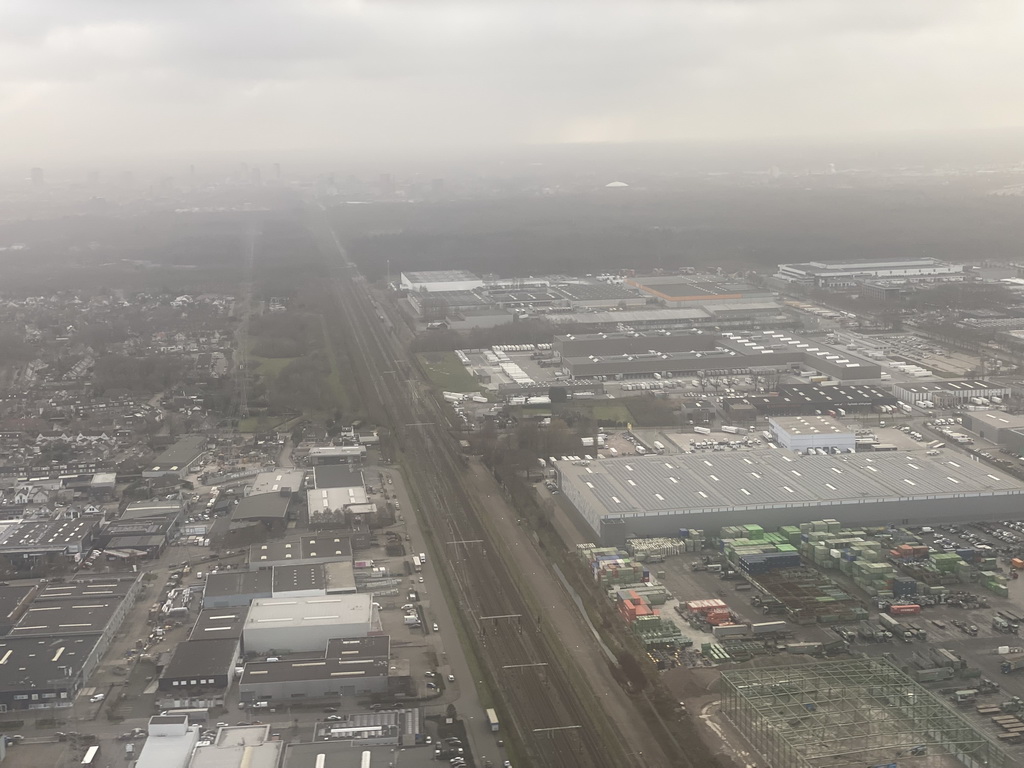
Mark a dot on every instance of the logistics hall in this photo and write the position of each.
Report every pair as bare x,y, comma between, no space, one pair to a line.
657,495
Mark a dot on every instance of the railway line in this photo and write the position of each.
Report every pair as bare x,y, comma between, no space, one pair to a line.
558,724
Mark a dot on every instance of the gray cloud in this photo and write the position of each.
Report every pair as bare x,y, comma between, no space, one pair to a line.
101,78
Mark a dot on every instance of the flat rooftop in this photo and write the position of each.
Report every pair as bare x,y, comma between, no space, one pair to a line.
593,292
100,587
272,506
152,508
201,657
65,617
274,482
25,661
342,753
826,267
227,583
815,425
218,624
692,288
13,598
337,476
372,647
312,669
309,611
998,419
439,276
299,578
49,534
305,548
168,751
335,499
950,386
337,451
664,315
771,478
240,747
179,455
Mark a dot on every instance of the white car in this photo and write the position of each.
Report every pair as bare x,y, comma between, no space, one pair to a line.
436,628
98,697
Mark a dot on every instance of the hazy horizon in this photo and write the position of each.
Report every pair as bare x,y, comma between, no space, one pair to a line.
104,82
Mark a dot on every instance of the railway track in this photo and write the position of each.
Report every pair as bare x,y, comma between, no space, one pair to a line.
554,721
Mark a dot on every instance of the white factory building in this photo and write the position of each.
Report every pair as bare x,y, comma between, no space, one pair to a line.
801,433
440,280
293,624
848,274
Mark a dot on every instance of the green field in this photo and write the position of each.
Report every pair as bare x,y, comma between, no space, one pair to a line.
447,373
268,367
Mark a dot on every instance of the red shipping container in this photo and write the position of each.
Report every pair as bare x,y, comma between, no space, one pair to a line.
904,610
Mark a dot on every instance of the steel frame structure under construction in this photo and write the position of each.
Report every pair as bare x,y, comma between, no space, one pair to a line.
851,714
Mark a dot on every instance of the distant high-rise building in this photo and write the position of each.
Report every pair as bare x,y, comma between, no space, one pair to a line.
256,177
277,171
437,186
387,184
37,177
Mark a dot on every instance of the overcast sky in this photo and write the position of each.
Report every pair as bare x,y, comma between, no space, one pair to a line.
89,78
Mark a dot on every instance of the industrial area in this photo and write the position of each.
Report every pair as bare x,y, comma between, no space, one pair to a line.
775,533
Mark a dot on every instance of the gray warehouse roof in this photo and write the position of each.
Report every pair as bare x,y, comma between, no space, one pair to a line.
261,507
39,660
88,588
180,455
298,578
194,658
227,583
766,479
65,617
997,419
337,476
219,623
274,482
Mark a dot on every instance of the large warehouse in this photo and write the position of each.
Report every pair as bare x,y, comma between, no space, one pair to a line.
948,394
844,713
658,495
636,354
440,280
839,275
307,623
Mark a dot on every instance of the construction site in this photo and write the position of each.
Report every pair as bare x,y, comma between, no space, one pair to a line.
852,714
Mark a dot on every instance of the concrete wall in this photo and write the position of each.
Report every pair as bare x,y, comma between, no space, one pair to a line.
284,691
289,639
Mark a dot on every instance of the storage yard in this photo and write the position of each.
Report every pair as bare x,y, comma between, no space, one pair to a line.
904,640
846,713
